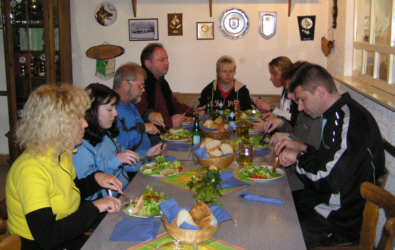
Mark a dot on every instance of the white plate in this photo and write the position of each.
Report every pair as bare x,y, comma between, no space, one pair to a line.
139,216
280,171
150,164
176,141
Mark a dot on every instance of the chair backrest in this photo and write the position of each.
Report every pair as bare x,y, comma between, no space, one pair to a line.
377,197
389,148
7,241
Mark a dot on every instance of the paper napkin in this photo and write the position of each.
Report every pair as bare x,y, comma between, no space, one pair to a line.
255,197
135,230
229,180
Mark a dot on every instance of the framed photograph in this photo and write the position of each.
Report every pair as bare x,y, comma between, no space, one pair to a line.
205,30
143,29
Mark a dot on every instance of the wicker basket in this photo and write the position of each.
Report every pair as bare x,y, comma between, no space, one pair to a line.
194,236
221,162
217,134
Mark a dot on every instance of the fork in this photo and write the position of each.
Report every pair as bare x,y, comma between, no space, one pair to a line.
188,109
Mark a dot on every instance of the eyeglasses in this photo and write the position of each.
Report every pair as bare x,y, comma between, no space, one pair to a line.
140,86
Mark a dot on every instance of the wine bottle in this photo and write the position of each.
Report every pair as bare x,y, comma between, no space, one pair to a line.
221,106
196,131
208,107
232,117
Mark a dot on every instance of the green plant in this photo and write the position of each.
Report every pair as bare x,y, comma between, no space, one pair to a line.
205,186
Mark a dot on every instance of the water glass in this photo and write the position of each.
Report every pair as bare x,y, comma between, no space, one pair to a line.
245,154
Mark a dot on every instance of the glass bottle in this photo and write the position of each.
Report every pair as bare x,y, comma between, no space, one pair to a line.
208,107
20,14
35,12
32,66
196,131
232,117
42,65
221,106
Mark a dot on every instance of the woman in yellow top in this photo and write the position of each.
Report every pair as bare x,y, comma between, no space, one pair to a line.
45,200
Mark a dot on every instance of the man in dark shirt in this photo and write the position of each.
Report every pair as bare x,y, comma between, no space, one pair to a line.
351,152
158,95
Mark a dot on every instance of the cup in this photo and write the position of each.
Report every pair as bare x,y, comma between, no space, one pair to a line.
245,154
242,130
237,111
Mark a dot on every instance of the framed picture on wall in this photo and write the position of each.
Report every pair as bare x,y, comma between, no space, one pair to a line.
205,30
143,29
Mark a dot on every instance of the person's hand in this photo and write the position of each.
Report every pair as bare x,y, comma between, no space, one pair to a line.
259,125
156,118
128,157
236,101
278,137
269,116
109,204
157,149
151,129
177,120
288,157
109,181
200,111
272,124
262,105
281,145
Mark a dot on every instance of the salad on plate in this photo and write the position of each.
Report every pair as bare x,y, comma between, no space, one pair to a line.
260,172
145,205
254,140
177,135
161,167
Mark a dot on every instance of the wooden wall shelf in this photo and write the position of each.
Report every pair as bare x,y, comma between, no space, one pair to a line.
134,4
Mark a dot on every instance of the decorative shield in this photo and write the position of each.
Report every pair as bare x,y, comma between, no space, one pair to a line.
234,23
267,24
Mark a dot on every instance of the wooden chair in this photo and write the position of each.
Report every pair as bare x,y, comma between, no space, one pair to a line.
376,197
7,241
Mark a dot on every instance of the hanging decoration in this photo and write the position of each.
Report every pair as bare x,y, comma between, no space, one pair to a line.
327,45
174,24
306,27
105,59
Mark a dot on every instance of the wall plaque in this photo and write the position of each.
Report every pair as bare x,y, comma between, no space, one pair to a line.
174,24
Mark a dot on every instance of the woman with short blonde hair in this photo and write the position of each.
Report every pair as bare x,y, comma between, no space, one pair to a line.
44,195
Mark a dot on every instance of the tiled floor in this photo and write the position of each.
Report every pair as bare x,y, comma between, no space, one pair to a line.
3,175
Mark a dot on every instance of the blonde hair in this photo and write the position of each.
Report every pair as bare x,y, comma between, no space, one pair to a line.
225,59
281,62
48,119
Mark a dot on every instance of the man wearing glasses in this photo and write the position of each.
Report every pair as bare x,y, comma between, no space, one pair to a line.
129,84
158,96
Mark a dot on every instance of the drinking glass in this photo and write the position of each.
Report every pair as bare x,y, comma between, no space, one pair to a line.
242,130
245,154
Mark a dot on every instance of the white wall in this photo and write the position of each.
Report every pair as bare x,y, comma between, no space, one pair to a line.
192,61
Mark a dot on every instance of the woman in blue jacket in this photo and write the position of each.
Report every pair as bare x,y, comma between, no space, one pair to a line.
100,150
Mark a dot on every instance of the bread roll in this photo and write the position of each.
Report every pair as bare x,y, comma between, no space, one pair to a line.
215,154
207,222
226,149
218,120
207,123
212,145
226,126
184,216
199,211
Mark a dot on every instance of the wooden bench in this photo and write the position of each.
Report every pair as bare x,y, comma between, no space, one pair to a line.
193,98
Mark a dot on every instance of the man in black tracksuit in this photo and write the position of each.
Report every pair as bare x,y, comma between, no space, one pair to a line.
351,152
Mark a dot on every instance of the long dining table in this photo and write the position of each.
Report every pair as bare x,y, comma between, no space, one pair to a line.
254,225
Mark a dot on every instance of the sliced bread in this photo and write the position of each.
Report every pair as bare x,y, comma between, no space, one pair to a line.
212,145
215,154
226,149
185,216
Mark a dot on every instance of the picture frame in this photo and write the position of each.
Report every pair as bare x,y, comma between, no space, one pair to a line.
205,30
143,29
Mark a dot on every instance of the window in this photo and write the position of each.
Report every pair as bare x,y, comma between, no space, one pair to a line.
374,41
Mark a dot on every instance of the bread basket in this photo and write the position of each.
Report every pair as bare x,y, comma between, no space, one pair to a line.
221,162
194,236
217,134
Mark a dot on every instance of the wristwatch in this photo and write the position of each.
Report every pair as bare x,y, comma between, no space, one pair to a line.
272,107
300,154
